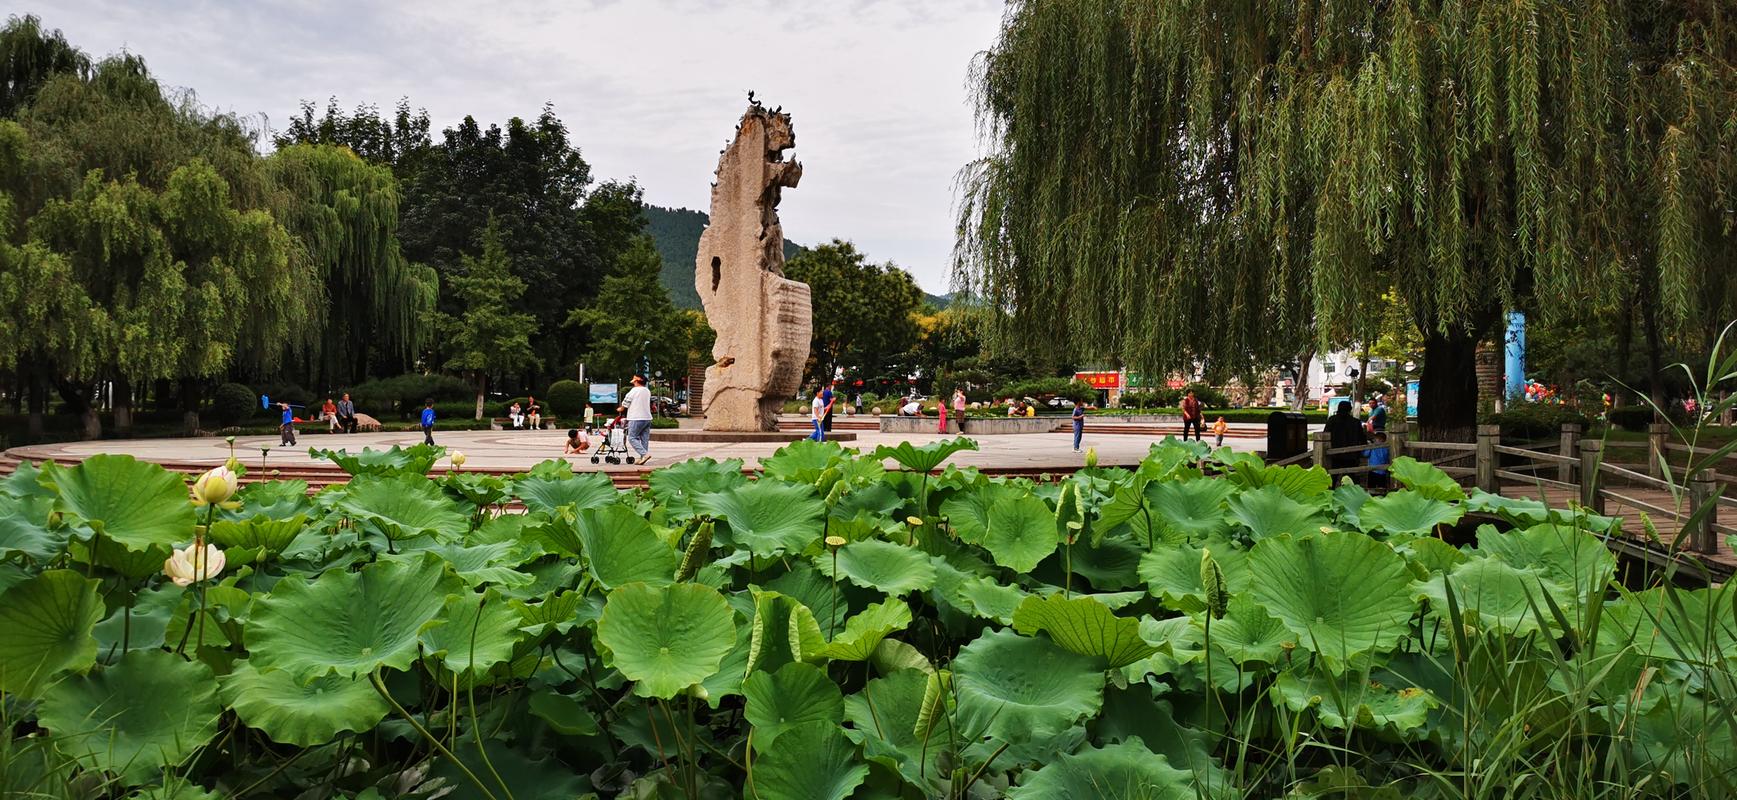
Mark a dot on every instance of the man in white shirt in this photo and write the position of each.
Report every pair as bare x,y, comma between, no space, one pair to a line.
911,409
817,415
637,406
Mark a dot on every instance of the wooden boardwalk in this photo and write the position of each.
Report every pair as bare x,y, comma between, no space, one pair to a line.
1716,567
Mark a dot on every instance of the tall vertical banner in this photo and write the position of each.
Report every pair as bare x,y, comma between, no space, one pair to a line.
1514,355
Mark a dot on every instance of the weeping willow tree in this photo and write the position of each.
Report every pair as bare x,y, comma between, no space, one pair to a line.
1194,182
342,214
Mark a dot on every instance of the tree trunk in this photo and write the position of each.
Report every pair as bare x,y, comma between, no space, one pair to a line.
38,389
190,396
122,401
1655,363
1448,388
1301,396
482,385
78,400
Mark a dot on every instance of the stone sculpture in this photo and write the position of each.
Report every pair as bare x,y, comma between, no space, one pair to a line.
763,320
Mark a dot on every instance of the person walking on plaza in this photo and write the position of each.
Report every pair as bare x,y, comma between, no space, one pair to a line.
827,395
959,407
428,421
329,413
1343,430
637,406
1079,424
347,414
1219,429
817,415
287,429
941,411
1191,415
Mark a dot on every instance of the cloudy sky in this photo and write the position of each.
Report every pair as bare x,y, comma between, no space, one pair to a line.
650,89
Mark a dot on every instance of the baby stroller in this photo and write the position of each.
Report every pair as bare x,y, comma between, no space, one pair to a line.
612,442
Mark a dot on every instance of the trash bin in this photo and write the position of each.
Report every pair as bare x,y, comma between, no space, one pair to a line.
1287,435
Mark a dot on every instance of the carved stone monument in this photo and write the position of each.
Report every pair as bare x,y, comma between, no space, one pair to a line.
763,320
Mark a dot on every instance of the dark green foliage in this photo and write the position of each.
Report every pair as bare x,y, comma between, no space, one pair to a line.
675,232
29,56
489,338
1534,421
232,402
864,313
566,398
1045,388
1632,418
633,309
405,393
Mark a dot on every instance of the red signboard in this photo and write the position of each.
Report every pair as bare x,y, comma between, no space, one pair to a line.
1100,380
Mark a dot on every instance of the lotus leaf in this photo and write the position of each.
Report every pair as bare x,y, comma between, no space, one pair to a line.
1303,484
1126,770
349,623
151,709
564,713
816,763
25,481
47,622
1191,509
149,619
1018,689
301,714
784,631
925,457
473,633
1269,512
588,490
803,460
478,489
990,599
413,460
1343,703
25,531
1408,511
1576,563
620,547
666,638
1342,594
404,506
1349,499
795,694
259,533
767,518
524,778
135,503
476,565
865,631
1172,574
1084,626
727,681
1249,635
273,500
676,485
1493,592
875,564
1015,526
1427,480
555,612
883,718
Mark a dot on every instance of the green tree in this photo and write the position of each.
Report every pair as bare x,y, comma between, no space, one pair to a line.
864,314
29,56
633,315
1176,182
489,338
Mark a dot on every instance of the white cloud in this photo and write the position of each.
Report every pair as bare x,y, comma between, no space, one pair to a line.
648,88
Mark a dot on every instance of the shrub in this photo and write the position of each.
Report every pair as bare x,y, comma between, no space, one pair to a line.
1043,388
232,403
406,393
1534,420
1631,418
285,391
566,399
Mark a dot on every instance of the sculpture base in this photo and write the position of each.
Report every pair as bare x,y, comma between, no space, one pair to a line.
727,437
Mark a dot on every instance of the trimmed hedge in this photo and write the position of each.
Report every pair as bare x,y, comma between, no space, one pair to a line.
1535,420
567,398
233,403
1631,418
405,394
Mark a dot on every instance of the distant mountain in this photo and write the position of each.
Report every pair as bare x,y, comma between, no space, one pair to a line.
676,233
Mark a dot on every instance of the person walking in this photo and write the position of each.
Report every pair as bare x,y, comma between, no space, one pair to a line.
347,414
428,421
941,412
1219,429
959,408
827,394
329,413
1079,424
287,429
1192,417
1343,430
637,406
817,415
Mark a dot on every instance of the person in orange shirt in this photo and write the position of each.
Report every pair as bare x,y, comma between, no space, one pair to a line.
329,413
1219,428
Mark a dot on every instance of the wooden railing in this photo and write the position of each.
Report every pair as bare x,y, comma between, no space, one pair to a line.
1572,462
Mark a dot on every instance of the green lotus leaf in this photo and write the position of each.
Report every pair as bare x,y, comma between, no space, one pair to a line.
1124,770
727,681
133,563
1303,484
1407,511
47,622
666,638
816,762
876,564
1190,509
1525,512
301,714
349,623
883,718
1018,689
177,791
1249,635
1110,566
1350,499
810,588
1427,479
795,694
989,598
1269,512
259,533
24,529
1687,737
676,485
150,710
1428,553
877,500
784,630
768,518
476,565
136,503
892,655
1341,703
473,633
804,460
565,713
525,778
1693,626
1172,574
620,547
1014,525
413,460
273,500
26,481
1491,591
587,490
865,631
1342,594
926,457
556,612
1084,626
404,506
150,618
1578,564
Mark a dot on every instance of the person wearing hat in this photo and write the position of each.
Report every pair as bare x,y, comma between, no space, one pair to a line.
637,406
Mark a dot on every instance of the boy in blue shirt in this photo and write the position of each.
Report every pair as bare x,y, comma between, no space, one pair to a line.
1379,458
428,422
287,429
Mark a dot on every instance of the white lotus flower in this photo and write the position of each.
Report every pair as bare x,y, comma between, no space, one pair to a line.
216,486
181,568
457,459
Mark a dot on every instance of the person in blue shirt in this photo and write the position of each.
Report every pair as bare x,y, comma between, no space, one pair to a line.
288,428
428,422
1379,459
1079,417
1378,415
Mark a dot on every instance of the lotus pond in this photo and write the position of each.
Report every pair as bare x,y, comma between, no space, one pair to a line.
839,625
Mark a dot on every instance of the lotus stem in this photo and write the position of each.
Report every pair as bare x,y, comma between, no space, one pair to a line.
379,686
